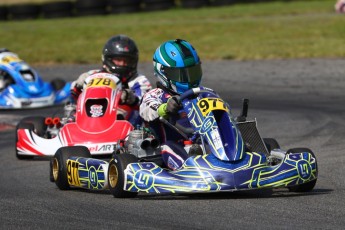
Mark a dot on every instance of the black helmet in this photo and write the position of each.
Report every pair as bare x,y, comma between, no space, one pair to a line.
123,47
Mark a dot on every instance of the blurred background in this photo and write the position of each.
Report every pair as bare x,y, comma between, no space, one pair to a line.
31,9
74,32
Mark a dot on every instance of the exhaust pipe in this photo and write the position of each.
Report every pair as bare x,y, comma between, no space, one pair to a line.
148,142
154,143
49,122
144,144
57,122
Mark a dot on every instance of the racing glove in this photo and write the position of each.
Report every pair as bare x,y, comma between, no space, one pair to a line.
172,106
76,91
128,97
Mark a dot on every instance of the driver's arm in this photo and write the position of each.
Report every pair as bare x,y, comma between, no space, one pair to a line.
150,103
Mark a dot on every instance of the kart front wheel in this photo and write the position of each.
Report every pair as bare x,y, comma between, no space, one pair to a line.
306,187
58,166
116,175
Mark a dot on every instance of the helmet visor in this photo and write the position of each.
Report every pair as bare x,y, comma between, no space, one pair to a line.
190,74
124,61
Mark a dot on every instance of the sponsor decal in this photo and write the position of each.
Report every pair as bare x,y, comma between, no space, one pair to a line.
96,110
217,141
102,148
207,125
144,179
72,172
304,169
26,103
93,177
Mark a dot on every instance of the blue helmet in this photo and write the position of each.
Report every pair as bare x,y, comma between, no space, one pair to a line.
177,65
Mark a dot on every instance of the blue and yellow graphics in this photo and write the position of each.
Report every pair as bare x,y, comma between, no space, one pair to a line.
226,166
210,118
208,173
227,163
87,173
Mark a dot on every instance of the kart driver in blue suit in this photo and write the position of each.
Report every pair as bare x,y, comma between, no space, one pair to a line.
178,68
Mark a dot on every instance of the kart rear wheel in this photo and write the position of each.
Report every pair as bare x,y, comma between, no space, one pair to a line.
307,187
58,166
271,144
116,175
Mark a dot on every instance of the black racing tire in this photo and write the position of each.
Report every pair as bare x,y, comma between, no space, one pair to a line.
309,186
23,126
57,9
3,13
23,11
51,174
116,176
58,84
271,144
58,167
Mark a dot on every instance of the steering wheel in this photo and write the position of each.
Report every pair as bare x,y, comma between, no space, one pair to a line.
196,91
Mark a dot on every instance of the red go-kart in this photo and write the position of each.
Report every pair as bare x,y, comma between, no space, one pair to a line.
97,121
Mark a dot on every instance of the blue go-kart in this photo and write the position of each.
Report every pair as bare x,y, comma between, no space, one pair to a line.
21,87
231,156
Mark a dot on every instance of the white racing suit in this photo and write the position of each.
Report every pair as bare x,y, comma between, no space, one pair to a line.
173,153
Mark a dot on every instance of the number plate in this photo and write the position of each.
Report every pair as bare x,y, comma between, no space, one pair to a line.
207,105
99,82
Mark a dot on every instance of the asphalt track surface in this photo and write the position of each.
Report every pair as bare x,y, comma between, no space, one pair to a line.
301,103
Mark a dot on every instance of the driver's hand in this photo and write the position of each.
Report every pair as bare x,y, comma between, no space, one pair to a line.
173,104
76,91
128,97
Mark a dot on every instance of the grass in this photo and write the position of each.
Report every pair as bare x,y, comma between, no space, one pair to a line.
274,30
